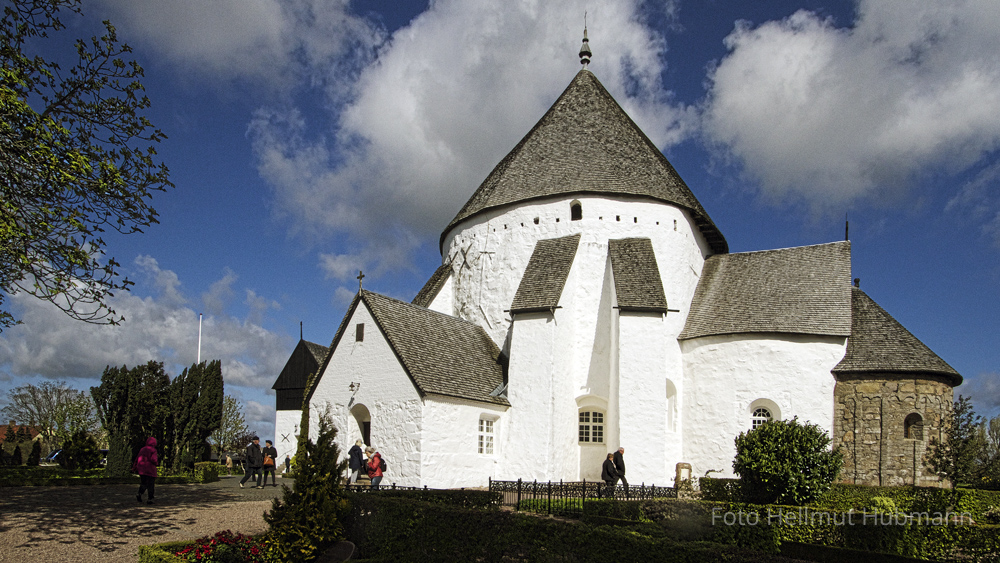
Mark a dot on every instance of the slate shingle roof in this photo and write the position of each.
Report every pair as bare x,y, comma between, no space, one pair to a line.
545,276
638,285
878,343
586,144
305,360
804,290
430,290
443,355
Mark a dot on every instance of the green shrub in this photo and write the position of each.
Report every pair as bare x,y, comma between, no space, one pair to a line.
206,472
35,457
882,505
719,489
308,516
785,462
17,458
80,452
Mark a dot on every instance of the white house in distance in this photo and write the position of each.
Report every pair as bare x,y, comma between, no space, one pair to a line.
586,300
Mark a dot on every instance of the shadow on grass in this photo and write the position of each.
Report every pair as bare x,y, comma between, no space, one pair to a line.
105,516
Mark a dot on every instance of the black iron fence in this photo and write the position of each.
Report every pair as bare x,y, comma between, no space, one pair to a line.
570,497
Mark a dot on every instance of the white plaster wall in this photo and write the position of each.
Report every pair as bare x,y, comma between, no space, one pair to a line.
489,252
724,375
286,426
526,441
444,301
451,457
386,390
642,365
574,355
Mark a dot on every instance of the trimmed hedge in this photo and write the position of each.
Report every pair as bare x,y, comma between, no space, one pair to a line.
397,528
844,497
206,472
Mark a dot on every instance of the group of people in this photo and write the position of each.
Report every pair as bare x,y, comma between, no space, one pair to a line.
614,469
259,462
369,459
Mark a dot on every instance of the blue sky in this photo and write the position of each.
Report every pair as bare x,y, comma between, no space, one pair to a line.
309,139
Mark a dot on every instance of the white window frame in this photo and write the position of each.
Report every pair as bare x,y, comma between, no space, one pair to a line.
486,436
588,423
754,416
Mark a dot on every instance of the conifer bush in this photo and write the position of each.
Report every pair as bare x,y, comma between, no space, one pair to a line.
309,516
35,457
785,462
80,452
17,459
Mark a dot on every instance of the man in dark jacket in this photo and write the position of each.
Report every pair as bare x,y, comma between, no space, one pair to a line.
356,462
620,466
610,475
255,458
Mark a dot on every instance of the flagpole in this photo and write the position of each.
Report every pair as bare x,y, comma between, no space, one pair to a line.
199,338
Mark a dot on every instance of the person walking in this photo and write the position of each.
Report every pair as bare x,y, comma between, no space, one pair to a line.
254,460
375,468
355,454
229,464
288,464
610,475
268,464
145,465
620,466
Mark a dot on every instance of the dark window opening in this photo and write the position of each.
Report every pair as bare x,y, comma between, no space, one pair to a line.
359,334
575,211
913,427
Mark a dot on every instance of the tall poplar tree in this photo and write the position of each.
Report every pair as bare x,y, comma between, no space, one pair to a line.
196,396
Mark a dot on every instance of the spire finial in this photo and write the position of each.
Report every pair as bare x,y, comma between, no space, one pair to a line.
585,48
361,276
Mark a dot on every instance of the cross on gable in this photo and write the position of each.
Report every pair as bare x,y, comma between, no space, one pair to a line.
361,276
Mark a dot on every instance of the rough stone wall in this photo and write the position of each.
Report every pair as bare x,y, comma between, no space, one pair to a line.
869,426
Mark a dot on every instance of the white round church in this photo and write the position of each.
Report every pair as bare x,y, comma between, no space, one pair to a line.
586,301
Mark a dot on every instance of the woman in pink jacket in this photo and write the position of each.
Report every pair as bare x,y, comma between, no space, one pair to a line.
145,466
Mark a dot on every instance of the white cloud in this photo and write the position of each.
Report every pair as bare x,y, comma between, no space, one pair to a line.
52,346
832,116
341,267
269,40
220,293
166,281
446,99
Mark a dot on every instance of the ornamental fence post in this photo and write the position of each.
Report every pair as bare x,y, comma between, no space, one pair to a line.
518,505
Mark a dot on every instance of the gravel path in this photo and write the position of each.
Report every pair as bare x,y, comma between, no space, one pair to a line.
105,524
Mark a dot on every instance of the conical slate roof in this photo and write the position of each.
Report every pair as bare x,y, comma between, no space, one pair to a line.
586,144
878,343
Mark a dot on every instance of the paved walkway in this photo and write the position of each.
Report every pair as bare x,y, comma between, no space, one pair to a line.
105,524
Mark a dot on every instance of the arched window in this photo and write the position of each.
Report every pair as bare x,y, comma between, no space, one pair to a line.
913,427
760,416
591,427
575,211
671,407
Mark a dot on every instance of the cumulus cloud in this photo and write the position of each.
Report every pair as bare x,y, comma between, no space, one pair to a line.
833,116
220,293
262,40
447,97
166,281
52,346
